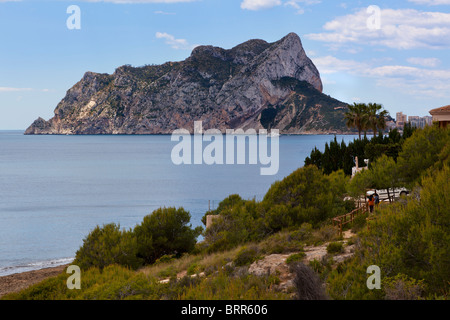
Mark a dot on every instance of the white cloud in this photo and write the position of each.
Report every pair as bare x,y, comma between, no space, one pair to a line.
9,89
431,2
267,4
331,64
178,44
414,81
259,4
400,29
425,62
141,1
296,4
165,13
124,1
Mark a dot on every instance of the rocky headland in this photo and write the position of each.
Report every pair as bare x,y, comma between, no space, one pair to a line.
253,85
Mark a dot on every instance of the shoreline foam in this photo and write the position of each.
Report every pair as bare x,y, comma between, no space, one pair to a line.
34,266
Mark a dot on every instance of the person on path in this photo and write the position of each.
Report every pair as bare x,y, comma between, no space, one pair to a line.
371,199
377,198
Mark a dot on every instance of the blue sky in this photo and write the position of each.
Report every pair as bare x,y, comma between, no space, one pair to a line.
396,53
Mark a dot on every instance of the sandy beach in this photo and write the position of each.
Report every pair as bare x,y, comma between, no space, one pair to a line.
19,281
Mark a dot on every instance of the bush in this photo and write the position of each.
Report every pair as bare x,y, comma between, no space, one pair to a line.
287,241
359,223
334,247
296,257
325,234
409,239
421,151
162,235
165,259
306,195
402,287
307,283
111,283
193,269
165,232
239,222
108,245
224,287
246,256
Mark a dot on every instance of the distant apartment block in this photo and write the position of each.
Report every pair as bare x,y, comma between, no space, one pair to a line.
401,119
416,121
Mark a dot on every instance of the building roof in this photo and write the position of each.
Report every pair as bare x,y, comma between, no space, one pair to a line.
441,110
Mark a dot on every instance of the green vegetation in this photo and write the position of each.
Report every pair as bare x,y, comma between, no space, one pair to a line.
108,245
366,116
335,247
224,287
163,233
296,257
119,283
340,156
305,196
421,152
408,239
247,256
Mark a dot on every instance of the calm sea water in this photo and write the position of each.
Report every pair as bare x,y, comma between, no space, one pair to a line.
55,189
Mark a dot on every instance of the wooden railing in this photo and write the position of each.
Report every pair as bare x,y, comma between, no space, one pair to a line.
340,221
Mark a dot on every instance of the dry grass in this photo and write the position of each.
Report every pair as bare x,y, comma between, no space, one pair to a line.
205,263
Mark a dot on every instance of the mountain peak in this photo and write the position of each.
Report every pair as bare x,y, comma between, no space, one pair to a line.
225,88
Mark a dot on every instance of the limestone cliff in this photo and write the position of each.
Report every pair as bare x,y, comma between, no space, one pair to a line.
253,85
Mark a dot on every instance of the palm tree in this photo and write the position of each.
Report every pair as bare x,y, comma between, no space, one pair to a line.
356,117
376,117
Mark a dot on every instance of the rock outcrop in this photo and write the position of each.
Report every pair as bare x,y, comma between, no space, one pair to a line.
253,85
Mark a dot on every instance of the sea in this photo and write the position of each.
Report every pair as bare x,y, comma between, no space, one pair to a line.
54,189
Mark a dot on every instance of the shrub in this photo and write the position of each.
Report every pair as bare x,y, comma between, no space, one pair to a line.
359,223
307,283
162,235
325,234
108,245
224,287
334,247
111,283
165,259
286,241
410,239
236,225
296,257
317,266
421,151
246,256
402,287
306,195
193,269
165,232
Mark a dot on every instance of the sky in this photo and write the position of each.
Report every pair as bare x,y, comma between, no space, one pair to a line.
395,53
